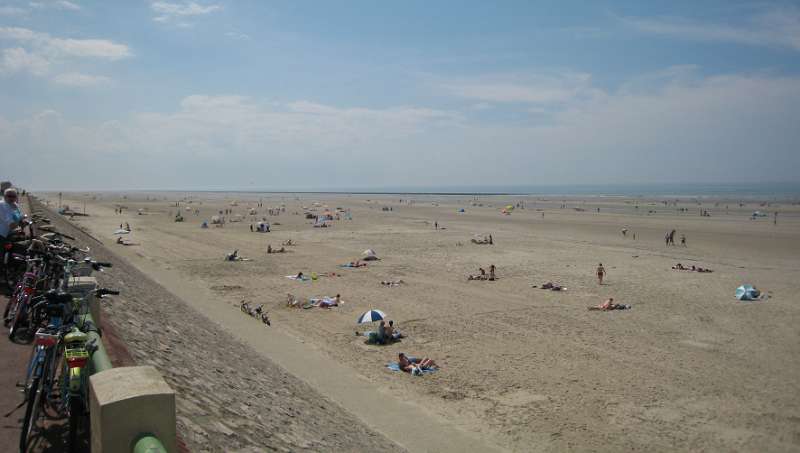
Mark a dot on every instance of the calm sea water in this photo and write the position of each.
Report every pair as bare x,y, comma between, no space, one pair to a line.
745,190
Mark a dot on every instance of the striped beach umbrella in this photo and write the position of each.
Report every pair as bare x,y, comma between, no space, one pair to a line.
371,316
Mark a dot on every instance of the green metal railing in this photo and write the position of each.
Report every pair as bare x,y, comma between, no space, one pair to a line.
148,444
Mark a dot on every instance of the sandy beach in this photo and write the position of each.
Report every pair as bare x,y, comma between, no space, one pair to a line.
687,368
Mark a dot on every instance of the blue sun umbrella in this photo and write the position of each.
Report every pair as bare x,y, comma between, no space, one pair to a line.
747,292
371,316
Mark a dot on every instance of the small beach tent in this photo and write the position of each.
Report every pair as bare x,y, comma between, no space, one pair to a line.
747,292
369,255
262,227
461,210
204,224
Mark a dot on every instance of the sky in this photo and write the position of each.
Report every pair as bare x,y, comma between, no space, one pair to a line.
291,95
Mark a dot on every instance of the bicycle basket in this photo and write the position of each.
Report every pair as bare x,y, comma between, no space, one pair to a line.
45,339
76,357
82,270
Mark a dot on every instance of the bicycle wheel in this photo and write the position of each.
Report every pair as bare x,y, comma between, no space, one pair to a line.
31,414
52,383
75,418
11,275
20,316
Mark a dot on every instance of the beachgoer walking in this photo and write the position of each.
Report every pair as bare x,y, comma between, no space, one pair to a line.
601,272
624,232
491,272
683,240
436,225
490,240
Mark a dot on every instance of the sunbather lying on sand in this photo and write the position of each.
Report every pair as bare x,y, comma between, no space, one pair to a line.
289,243
392,282
610,305
552,286
121,241
679,267
700,269
409,365
271,250
328,303
235,256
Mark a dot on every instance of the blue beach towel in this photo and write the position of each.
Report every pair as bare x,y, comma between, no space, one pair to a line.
394,366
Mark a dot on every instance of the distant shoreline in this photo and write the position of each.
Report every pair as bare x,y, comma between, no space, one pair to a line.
765,191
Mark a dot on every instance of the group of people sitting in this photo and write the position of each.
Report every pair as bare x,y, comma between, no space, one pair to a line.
386,334
693,268
483,275
256,312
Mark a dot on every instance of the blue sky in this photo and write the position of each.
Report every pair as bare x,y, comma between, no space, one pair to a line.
291,95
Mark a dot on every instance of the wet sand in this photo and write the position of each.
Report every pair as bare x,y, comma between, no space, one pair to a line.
687,368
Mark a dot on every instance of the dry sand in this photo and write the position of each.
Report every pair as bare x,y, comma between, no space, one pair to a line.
687,368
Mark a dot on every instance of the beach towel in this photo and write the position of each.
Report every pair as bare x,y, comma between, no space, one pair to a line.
325,301
394,366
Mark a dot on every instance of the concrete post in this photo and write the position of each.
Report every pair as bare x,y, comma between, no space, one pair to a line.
127,403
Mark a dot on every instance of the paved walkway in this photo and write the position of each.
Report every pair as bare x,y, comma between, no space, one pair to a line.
14,359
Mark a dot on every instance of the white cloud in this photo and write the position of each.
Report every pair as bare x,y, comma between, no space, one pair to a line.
237,35
44,52
772,28
535,88
95,48
12,11
76,79
172,11
49,46
63,5
66,5
18,59
675,130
